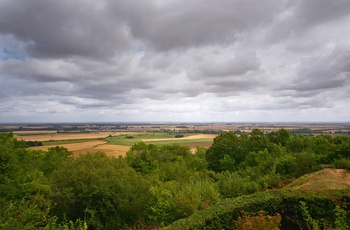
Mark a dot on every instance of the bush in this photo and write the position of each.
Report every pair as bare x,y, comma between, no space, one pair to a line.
232,185
322,206
342,163
258,221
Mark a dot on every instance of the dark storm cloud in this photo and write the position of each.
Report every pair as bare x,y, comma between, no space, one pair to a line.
63,28
147,59
183,24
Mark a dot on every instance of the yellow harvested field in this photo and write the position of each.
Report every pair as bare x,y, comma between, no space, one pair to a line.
193,137
74,146
98,145
65,136
91,146
110,150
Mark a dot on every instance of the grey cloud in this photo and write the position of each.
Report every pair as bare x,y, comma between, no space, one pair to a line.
61,28
180,24
131,58
303,17
332,71
239,63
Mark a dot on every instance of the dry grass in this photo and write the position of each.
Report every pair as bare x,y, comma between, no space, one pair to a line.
193,137
322,180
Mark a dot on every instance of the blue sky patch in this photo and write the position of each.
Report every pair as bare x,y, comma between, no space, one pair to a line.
7,54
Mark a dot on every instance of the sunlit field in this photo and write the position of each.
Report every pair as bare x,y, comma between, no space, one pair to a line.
111,143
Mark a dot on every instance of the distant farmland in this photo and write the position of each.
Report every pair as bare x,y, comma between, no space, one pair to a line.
111,143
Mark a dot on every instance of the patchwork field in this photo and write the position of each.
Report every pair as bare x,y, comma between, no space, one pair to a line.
116,139
111,143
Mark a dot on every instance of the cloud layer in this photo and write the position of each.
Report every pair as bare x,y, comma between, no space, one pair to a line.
200,60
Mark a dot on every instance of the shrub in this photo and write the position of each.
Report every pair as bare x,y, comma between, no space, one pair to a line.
342,163
258,221
321,205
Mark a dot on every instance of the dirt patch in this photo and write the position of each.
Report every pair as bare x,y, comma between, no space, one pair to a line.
322,180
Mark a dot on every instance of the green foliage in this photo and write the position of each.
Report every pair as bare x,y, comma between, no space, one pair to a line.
155,185
341,222
342,163
280,137
33,213
286,166
104,191
310,222
233,185
23,214
306,162
197,194
321,206
226,144
160,206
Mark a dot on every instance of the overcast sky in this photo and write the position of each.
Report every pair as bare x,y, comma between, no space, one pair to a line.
174,60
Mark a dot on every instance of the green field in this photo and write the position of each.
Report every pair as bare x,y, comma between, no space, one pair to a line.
130,139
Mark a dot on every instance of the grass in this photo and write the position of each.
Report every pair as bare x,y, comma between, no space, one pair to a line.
138,137
321,180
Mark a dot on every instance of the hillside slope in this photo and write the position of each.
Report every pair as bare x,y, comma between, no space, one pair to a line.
322,180
322,191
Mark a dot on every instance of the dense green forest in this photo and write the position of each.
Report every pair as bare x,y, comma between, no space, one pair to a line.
155,186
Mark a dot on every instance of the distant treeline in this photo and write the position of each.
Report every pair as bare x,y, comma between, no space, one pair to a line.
34,143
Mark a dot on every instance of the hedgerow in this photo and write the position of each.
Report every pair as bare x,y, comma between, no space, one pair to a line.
321,205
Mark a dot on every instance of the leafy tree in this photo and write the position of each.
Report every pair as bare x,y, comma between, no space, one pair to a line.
286,166
104,191
143,158
55,157
227,145
281,137
257,141
160,206
306,162
298,143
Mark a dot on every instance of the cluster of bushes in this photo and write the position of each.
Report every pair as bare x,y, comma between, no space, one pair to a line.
154,186
298,210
